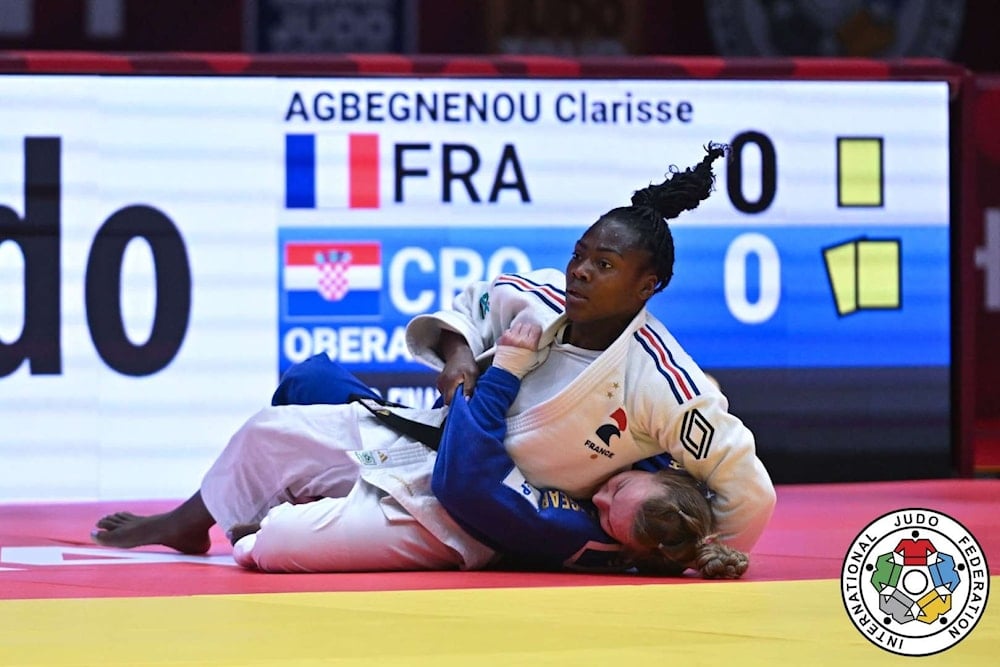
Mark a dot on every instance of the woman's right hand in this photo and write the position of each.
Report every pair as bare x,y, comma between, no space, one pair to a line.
460,367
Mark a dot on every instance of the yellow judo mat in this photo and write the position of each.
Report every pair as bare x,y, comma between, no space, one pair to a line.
671,625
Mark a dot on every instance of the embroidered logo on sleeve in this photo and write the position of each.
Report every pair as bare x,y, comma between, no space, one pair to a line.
484,305
696,433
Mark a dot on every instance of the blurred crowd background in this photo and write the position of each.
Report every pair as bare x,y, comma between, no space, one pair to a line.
963,31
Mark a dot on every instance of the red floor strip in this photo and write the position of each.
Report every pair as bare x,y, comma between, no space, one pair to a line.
45,550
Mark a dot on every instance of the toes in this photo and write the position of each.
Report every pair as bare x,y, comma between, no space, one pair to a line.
116,520
109,522
105,523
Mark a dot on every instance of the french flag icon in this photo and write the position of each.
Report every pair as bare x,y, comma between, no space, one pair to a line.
332,171
331,279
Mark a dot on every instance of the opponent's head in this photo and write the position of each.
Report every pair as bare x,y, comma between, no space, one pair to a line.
664,521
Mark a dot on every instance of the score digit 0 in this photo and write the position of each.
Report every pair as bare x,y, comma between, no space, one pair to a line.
768,172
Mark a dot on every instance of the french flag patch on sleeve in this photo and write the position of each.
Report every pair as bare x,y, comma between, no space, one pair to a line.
331,279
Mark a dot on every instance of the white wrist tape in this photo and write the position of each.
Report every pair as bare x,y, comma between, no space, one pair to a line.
517,361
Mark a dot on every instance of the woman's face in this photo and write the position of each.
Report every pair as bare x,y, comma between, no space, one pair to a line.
619,500
607,282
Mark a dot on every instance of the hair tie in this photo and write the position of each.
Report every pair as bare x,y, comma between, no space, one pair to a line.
708,540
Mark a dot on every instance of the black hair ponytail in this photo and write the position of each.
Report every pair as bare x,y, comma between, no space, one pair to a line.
684,190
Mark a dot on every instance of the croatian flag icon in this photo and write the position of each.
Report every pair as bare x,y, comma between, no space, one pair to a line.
323,279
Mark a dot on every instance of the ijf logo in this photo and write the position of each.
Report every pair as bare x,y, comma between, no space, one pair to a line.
331,279
915,582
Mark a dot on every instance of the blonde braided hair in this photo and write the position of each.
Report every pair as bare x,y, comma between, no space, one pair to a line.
675,531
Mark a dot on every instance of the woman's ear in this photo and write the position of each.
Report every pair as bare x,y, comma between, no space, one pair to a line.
648,287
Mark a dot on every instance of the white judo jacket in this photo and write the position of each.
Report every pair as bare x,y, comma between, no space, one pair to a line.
641,397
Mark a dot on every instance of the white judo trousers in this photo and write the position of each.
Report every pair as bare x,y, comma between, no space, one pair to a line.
334,491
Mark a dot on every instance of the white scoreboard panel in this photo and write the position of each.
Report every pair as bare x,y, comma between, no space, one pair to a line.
162,241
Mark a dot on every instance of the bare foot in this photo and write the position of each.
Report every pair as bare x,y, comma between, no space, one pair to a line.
125,530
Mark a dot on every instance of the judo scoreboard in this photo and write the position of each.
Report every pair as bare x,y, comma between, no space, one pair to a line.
825,244
171,244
